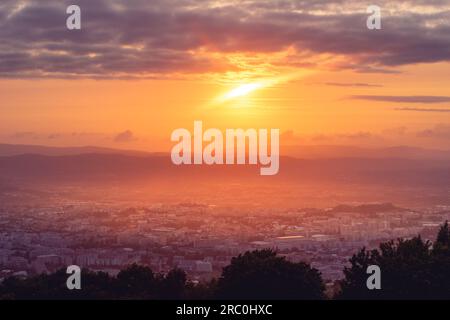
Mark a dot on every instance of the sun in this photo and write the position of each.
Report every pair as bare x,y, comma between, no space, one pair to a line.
242,90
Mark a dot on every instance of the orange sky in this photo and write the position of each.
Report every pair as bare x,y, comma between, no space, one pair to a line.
128,80
316,107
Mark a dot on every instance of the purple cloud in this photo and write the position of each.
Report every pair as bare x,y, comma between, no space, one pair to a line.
404,99
137,38
125,136
423,110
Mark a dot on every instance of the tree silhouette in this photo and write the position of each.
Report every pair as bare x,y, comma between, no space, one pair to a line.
172,286
442,244
95,285
410,269
264,275
136,282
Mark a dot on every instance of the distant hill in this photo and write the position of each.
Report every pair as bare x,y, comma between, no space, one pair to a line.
20,149
303,152
332,151
96,168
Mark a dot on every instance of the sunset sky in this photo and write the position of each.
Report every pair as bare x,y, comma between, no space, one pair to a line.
140,69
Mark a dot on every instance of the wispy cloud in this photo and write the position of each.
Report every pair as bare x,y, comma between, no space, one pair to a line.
357,84
423,110
404,99
125,136
441,131
24,135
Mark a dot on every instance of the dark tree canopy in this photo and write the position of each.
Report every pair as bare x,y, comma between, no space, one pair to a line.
442,244
173,285
96,285
136,281
410,269
264,275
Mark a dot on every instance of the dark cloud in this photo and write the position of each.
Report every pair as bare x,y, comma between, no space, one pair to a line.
441,131
24,135
404,99
397,131
125,136
357,135
53,136
149,38
423,110
348,136
364,85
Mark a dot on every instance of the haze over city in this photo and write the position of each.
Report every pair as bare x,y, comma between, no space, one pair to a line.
87,115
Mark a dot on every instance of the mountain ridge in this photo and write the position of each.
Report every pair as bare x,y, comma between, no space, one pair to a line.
117,167
296,151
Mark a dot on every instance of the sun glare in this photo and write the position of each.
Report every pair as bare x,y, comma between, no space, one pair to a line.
242,90
246,89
